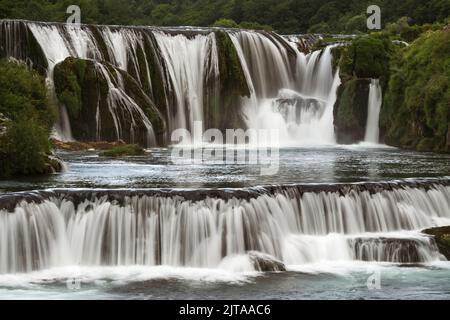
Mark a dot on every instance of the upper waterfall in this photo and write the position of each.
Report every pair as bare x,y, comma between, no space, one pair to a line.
223,78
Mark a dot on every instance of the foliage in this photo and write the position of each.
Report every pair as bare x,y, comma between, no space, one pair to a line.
23,100
284,16
366,57
226,23
416,110
23,92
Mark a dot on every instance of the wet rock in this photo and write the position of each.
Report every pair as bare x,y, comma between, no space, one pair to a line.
105,103
350,111
442,237
266,263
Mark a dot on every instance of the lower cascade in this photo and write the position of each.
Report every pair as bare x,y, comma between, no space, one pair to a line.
290,225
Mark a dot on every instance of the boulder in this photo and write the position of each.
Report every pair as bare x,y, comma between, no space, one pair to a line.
442,237
266,263
350,111
105,103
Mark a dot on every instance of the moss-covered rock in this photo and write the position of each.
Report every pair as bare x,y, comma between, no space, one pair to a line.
106,103
124,150
367,57
442,238
350,110
416,111
222,104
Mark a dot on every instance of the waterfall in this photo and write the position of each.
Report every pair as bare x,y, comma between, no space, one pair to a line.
301,110
186,60
195,228
179,70
373,112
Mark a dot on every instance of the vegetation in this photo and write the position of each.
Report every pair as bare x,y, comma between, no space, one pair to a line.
416,111
24,144
124,150
366,57
284,16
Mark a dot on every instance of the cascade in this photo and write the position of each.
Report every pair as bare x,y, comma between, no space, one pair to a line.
373,112
195,228
179,70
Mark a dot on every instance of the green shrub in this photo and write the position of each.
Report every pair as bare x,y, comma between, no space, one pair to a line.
23,149
226,23
417,103
366,57
23,100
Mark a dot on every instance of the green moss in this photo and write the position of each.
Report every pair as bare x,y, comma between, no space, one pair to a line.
351,110
223,105
85,92
124,150
134,90
69,78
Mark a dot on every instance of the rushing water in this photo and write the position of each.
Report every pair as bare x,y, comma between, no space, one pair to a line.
373,114
157,245
157,227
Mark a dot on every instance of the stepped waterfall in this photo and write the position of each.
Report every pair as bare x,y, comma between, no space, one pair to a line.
199,228
138,84
223,78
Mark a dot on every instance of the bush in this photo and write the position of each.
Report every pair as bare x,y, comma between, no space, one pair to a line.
23,149
23,100
417,109
225,23
23,91
366,57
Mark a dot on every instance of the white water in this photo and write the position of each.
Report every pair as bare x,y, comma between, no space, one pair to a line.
373,112
303,117
190,62
154,230
290,92
122,106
